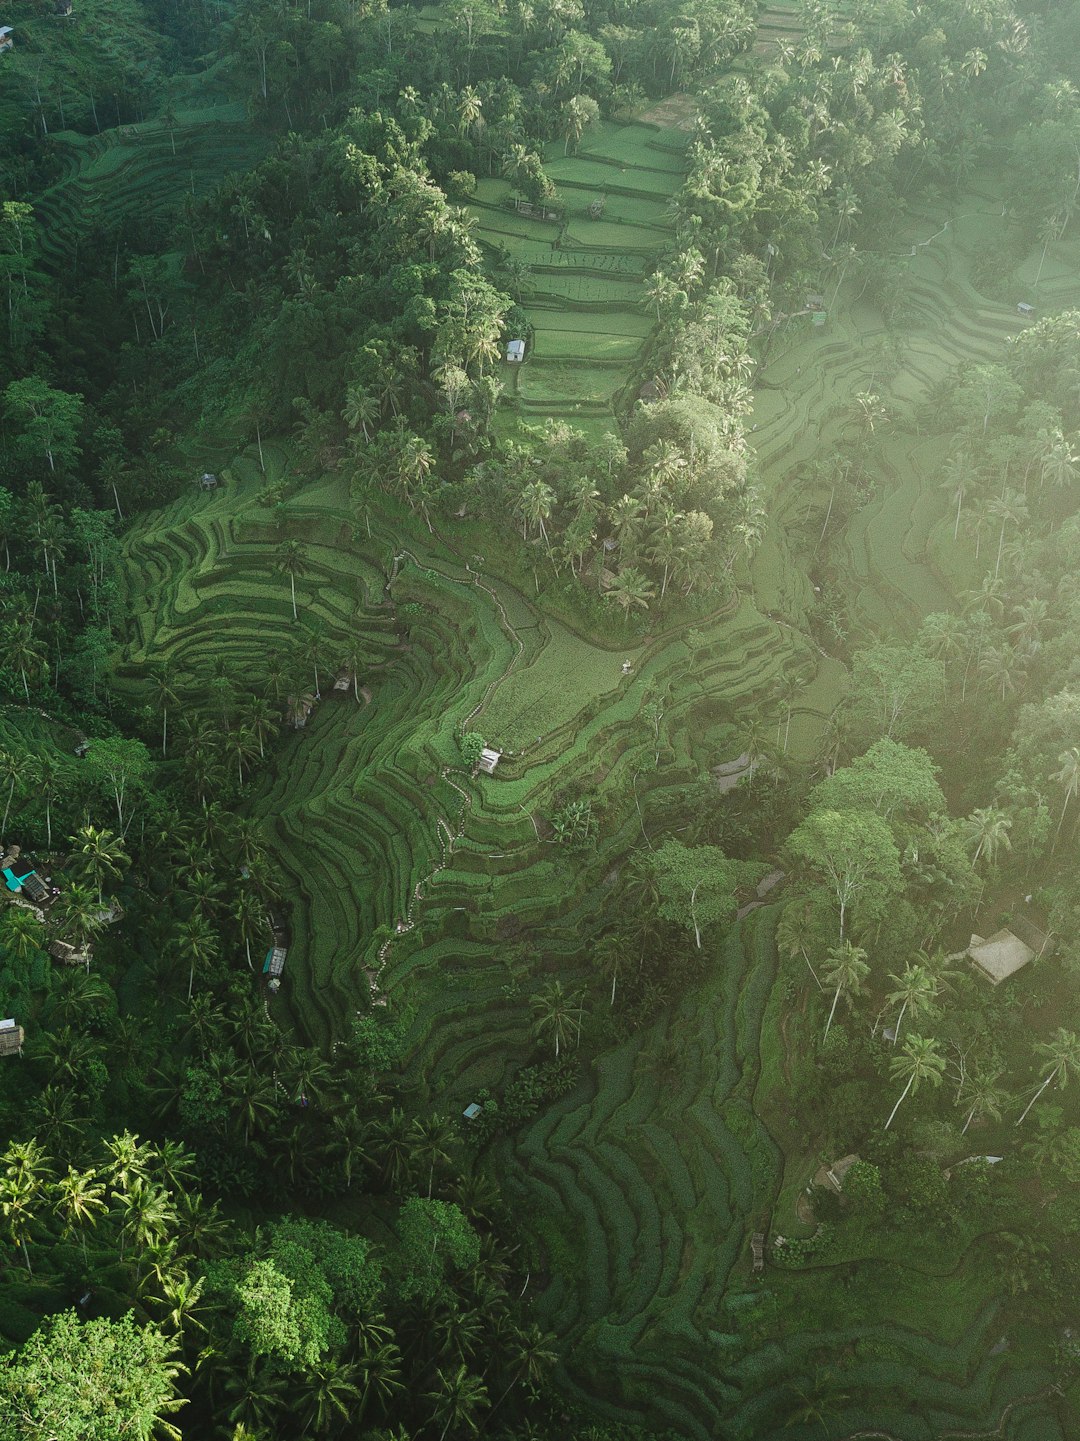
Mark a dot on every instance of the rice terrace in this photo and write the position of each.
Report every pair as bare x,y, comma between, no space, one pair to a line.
540,552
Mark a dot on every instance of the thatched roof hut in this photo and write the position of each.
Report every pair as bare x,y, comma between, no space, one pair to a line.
999,956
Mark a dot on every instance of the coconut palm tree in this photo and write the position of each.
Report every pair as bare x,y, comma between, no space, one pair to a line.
290,559
164,696
983,1095
988,828
25,1171
80,1199
916,993
556,1014
1069,778
328,1394
248,912
1062,1054
920,1060
11,769
845,968
100,856
457,1400
196,944
631,587
21,933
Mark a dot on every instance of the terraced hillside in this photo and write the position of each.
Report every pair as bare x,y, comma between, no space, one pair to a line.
898,558
647,1179
646,1183
584,293
365,803
145,169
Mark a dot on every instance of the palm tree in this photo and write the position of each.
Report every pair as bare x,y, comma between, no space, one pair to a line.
985,1097
261,720
196,944
11,768
1069,777
988,828
26,1171
248,912
431,1142
290,559
916,991
80,1198
78,910
556,1014
243,745
329,1393
919,1061
100,856
21,933
457,1399
1062,1054
361,410
845,968
164,696
630,588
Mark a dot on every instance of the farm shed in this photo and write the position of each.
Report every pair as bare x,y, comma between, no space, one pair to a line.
1025,309
515,350
275,961
66,953
489,759
831,1177
11,1038
6,37
999,956
297,710
62,8
209,481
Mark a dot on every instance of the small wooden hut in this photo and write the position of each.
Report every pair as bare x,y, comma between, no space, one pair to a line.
11,1038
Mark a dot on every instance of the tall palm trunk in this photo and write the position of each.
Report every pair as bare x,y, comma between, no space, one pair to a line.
899,1103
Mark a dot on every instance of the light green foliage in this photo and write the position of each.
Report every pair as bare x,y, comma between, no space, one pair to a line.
853,854
472,744
46,421
895,692
889,778
119,767
89,1381
351,1271
283,1308
435,1238
698,885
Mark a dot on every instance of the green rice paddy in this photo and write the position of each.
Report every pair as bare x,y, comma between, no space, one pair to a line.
644,1183
584,294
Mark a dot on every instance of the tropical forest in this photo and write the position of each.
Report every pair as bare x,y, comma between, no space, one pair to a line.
539,720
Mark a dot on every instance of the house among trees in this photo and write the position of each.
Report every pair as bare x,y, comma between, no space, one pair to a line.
275,961
489,759
62,9
7,41
11,1038
69,955
1005,952
21,877
515,351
